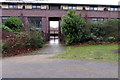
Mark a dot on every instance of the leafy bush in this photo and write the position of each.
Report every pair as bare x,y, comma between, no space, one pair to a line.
35,39
3,27
96,31
111,38
72,27
110,28
23,41
14,23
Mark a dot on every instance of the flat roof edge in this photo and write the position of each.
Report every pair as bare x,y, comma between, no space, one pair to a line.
58,3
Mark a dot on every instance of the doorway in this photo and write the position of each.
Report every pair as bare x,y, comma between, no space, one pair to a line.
54,29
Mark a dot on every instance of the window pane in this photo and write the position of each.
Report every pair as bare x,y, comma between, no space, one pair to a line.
116,9
38,6
4,19
10,6
74,7
95,8
100,19
112,9
91,8
15,6
33,6
70,7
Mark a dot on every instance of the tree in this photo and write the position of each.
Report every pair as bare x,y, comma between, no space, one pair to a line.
14,23
72,27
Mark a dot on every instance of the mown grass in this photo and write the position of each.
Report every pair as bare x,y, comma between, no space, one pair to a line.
91,52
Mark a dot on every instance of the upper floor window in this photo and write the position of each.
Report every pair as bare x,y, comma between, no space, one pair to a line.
54,7
36,7
93,8
72,7
113,9
12,6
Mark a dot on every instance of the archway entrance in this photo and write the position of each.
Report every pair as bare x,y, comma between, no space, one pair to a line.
54,29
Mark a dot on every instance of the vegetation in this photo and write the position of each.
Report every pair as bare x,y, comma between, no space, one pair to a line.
76,30
3,27
91,52
23,41
72,27
111,29
14,23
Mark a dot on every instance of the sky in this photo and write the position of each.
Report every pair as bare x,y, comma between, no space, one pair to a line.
106,2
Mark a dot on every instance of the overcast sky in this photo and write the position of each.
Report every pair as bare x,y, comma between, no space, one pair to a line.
107,2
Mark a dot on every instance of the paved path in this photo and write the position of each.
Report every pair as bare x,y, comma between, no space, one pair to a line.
41,66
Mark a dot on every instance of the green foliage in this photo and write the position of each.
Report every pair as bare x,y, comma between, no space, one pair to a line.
96,31
35,39
111,38
14,23
110,28
72,27
3,27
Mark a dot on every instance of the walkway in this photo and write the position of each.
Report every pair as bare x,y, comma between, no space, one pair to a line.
41,66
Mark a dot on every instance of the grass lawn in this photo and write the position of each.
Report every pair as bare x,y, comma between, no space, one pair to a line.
91,52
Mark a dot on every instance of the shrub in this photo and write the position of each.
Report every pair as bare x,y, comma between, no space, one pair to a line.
3,27
72,27
110,28
35,39
23,41
96,31
111,38
14,23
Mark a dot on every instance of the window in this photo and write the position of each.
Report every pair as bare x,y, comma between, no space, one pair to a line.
113,9
4,19
35,22
36,7
54,7
72,7
97,19
13,6
93,8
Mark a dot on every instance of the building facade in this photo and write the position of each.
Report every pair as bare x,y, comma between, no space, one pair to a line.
39,15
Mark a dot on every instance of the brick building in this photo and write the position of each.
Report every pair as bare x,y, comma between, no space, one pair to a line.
39,14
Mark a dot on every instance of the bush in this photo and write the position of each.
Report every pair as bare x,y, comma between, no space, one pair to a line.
96,31
72,27
110,28
35,39
3,27
111,38
14,23
23,41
